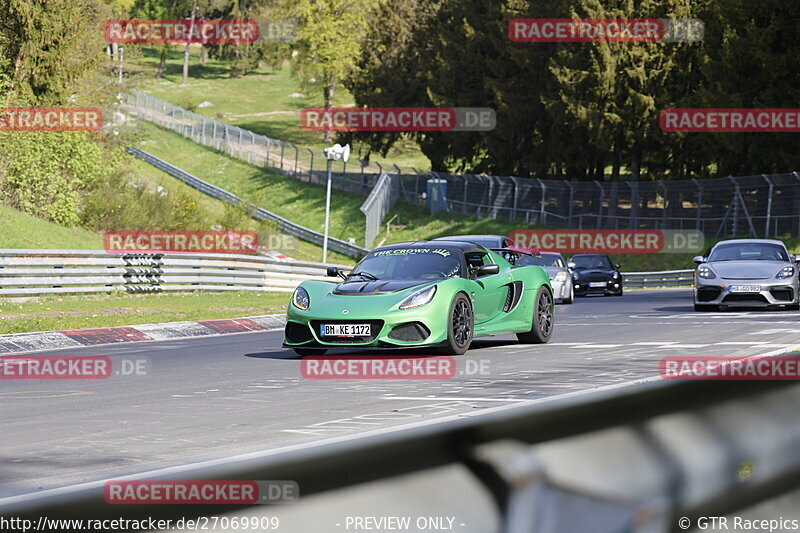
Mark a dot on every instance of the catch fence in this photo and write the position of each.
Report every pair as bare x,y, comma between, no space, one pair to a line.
757,206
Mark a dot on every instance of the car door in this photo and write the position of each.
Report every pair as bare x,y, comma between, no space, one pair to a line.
488,294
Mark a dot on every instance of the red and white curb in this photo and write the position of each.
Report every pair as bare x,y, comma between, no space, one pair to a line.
51,340
275,255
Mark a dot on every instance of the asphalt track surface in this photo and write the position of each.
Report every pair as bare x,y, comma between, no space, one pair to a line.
214,397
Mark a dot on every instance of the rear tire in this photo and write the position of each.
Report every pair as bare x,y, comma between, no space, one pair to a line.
706,307
309,351
543,319
460,326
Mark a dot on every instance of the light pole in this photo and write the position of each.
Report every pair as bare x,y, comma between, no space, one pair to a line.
334,153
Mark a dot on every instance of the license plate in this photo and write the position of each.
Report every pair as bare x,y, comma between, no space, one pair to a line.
597,284
744,288
344,330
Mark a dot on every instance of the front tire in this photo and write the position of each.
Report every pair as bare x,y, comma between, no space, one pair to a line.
309,351
542,326
460,326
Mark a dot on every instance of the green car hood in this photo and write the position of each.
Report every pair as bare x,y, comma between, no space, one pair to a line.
363,287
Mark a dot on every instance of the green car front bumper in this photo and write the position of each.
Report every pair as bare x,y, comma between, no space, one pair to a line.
390,326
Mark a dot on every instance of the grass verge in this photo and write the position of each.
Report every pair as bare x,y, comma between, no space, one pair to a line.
20,230
48,313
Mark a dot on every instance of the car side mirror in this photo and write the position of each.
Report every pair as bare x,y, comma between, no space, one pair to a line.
797,259
488,270
616,266
571,265
698,259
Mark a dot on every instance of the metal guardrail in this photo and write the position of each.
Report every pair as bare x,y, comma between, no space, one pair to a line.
638,458
35,272
26,272
666,278
286,226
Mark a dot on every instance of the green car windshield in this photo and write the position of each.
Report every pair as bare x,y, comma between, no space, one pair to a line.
407,264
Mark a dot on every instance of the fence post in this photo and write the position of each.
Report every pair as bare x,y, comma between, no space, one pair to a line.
699,203
214,134
516,189
311,168
416,184
600,204
569,205
252,156
296,156
283,147
769,206
796,175
466,186
541,202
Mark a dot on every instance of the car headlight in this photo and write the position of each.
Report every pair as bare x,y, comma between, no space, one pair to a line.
786,272
615,275
705,273
300,298
419,298
561,276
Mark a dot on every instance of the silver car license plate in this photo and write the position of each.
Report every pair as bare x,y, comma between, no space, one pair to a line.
344,330
597,284
744,288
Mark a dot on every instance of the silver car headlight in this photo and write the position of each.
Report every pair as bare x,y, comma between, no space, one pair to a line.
561,276
300,299
705,273
785,272
419,298
615,275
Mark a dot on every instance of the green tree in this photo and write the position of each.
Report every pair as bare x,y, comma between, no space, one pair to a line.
329,40
54,50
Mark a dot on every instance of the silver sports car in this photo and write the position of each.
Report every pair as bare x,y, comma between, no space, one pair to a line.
746,273
557,269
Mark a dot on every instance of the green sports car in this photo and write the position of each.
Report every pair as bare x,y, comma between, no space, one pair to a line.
437,294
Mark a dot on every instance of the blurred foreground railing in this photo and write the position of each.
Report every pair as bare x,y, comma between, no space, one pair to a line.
644,457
